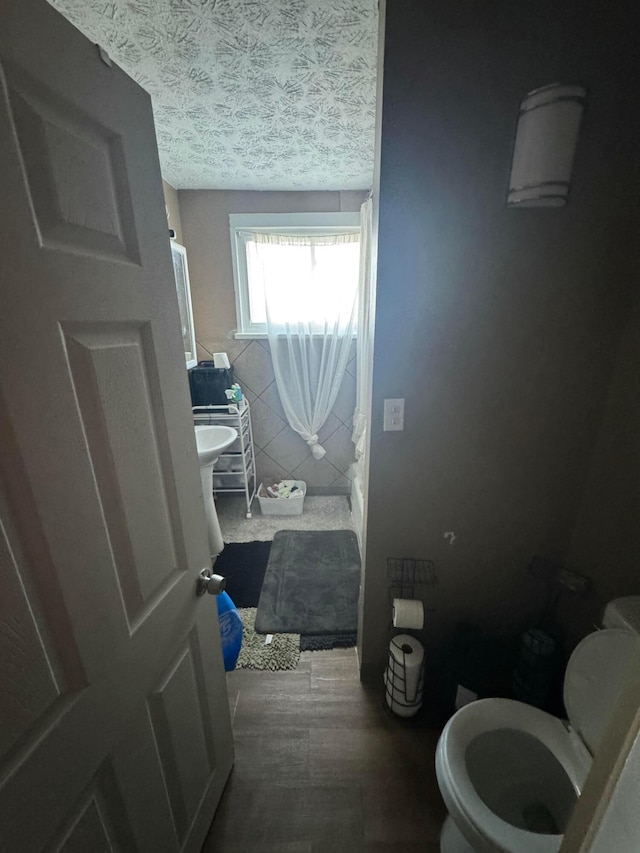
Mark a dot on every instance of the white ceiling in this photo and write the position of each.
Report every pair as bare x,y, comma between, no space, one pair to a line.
249,94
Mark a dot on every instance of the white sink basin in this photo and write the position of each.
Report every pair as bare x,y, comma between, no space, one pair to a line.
212,441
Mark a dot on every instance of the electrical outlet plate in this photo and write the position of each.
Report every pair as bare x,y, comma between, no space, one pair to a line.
393,415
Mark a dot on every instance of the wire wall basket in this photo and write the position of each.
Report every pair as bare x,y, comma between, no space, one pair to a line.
407,577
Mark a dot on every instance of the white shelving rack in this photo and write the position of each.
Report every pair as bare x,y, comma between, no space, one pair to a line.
235,470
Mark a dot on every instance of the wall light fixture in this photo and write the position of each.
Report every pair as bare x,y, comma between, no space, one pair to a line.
546,138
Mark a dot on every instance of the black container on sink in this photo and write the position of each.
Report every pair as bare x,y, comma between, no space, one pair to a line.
208,383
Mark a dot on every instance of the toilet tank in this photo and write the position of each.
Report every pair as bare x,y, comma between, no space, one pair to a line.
623,613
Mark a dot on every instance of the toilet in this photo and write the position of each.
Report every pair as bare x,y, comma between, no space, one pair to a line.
509,773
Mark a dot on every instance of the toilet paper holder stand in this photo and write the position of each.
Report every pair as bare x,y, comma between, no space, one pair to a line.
396,680
407,578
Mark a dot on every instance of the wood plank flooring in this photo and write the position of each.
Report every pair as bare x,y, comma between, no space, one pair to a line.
321,765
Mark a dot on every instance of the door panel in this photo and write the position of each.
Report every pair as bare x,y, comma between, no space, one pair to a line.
88,832
40,672
140,779
108,370
29,684
115,719
179,725
92,213
98,822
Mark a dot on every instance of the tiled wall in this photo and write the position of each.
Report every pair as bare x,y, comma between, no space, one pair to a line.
280,452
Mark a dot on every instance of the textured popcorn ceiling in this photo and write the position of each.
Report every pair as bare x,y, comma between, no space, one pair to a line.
249,94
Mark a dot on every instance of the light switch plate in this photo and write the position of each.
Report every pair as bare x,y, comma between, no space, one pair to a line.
393,415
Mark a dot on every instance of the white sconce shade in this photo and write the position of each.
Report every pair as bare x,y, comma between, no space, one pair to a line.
546,137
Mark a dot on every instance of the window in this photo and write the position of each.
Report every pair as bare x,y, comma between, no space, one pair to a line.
306,263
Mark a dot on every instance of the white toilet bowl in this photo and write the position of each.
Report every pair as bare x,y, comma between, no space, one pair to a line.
510,774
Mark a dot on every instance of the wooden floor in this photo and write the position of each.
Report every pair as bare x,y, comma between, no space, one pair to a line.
323,767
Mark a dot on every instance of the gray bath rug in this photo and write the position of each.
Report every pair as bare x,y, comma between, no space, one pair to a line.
283,652
312,583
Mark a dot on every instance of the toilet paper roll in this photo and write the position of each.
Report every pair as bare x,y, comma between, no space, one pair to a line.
408,613
221,359
409,655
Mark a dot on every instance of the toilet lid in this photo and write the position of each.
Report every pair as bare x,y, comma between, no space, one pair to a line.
597,671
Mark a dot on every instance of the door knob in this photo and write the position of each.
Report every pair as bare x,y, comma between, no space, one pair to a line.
208,582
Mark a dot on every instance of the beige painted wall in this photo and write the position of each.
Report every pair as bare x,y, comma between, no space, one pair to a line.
280,452
500,326
171,200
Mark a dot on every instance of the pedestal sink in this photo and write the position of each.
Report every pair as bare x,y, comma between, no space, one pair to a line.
211,441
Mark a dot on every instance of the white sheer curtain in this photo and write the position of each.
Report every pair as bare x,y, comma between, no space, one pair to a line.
310,301
365,342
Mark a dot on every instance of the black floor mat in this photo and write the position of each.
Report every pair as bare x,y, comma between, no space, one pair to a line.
244,564
323,642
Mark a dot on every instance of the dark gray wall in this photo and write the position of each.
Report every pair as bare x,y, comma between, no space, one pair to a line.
605,543
499,326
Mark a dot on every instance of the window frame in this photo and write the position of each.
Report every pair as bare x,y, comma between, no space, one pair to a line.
280,223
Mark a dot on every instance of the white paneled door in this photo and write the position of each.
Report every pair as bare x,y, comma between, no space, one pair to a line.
114,724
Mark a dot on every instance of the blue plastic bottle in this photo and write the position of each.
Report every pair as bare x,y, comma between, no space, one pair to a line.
230,630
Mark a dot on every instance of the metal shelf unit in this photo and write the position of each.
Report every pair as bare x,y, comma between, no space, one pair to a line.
235,470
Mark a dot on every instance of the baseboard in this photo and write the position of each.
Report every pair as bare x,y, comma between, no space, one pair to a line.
326,491
371,674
